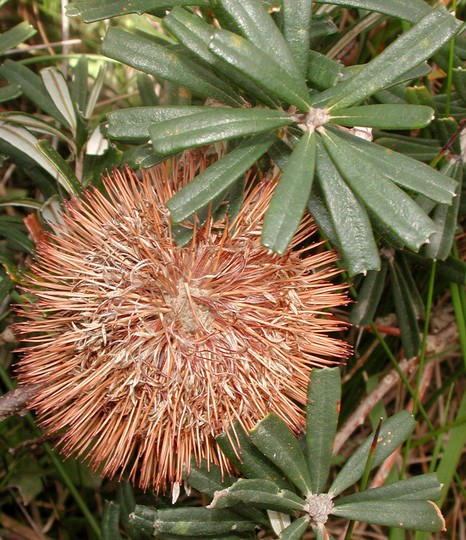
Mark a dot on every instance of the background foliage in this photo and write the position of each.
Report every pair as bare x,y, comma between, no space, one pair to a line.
71,106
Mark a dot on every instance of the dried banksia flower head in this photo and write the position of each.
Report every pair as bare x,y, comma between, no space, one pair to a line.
145,351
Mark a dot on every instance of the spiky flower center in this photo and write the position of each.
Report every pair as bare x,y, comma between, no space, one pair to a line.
146,351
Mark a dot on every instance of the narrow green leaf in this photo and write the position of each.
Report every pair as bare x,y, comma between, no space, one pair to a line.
207,477
422,487
319,211
296,530
395,430
297,16
244,456
276,441
195,34
384,116
217,178
405,312
420,149
395,215
63,171
12,229
132,124
289,200
260,494
323,405
258,66
369,296
404,171
96,10
212,125
23,142
16,35
143,54
10,91
56,86
110,520
323,72
79,85
146,89
410,11
418,515
349,220
278,521
445,217
32,123
32,86
193,522
95,91
126,500
409,50
251,20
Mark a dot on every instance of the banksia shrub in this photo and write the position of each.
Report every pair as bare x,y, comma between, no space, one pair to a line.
145,351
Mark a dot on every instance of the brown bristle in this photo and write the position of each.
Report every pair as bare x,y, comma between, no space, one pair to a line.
145,351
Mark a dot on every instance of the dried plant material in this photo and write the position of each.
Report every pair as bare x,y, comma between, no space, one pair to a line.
146,350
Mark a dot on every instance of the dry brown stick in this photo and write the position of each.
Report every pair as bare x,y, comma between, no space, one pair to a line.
16,401
435,344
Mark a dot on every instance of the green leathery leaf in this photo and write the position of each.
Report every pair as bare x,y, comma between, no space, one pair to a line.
418,149
407,273
349,219
79,85
276,441
217,178
319,211
10,91
56,86
146,90
244,456
410,49
394,431
32,86
323,72
192,522
132,124
322,410
258,66
12,228
404,171
213,124
384,116
195,34
96,10
422,487
445,217
143,54
418,515
206,477
295,530
369,296
23,143
393,212
260,494
410,11
405,312
32,123
296,16
16,35
63,171
110,520
252,21
290,197
126,500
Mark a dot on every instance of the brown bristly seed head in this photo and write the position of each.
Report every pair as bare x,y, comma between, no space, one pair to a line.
145,351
